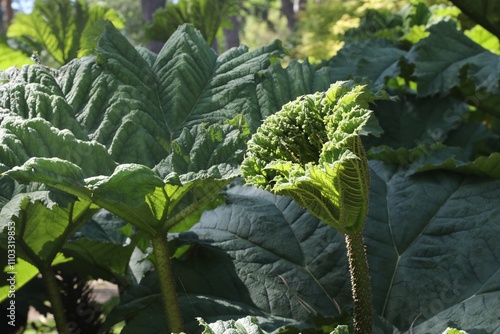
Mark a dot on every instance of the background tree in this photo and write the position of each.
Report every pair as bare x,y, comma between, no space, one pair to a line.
130,11
61,30
149,7
2,27
207,16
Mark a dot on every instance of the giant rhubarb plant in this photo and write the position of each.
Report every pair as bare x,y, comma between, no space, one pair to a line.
151,138
311,151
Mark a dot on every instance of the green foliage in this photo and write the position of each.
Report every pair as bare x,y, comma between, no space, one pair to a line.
131,12
10,57
241,326
484,12
153,137
62,28
208,16
128,122
268,254
310,150
454,331
186,160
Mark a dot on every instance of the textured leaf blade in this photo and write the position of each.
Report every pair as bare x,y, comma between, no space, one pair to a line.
285,248
153,99
42,224
32,91
375,59
99,258
488,166
476,312
22,139
205,152
209,88
413,227
198,296
440,58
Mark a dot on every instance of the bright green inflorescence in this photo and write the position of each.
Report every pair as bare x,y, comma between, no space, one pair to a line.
311,151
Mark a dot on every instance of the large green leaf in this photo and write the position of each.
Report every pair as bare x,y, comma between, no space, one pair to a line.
44,221
203,161
414,226
484,12
446,57
137,103
137,110
22,139
376,59
198,296
155,110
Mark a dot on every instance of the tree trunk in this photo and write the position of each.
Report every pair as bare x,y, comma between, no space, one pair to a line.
148,9
232,36
9,12
300,5
287,10
290,8
2,27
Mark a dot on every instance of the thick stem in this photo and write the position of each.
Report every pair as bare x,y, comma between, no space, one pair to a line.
360,282
167,284
55,299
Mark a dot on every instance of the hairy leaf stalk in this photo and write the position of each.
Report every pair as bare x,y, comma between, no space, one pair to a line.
55,299
360,283
167,284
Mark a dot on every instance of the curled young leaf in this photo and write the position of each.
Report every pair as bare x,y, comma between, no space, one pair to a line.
311,151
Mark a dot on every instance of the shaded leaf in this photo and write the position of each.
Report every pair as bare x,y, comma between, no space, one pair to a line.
108,261
375,59
413,227
483,166
42,224
440,58
141,305
410,122
484,12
